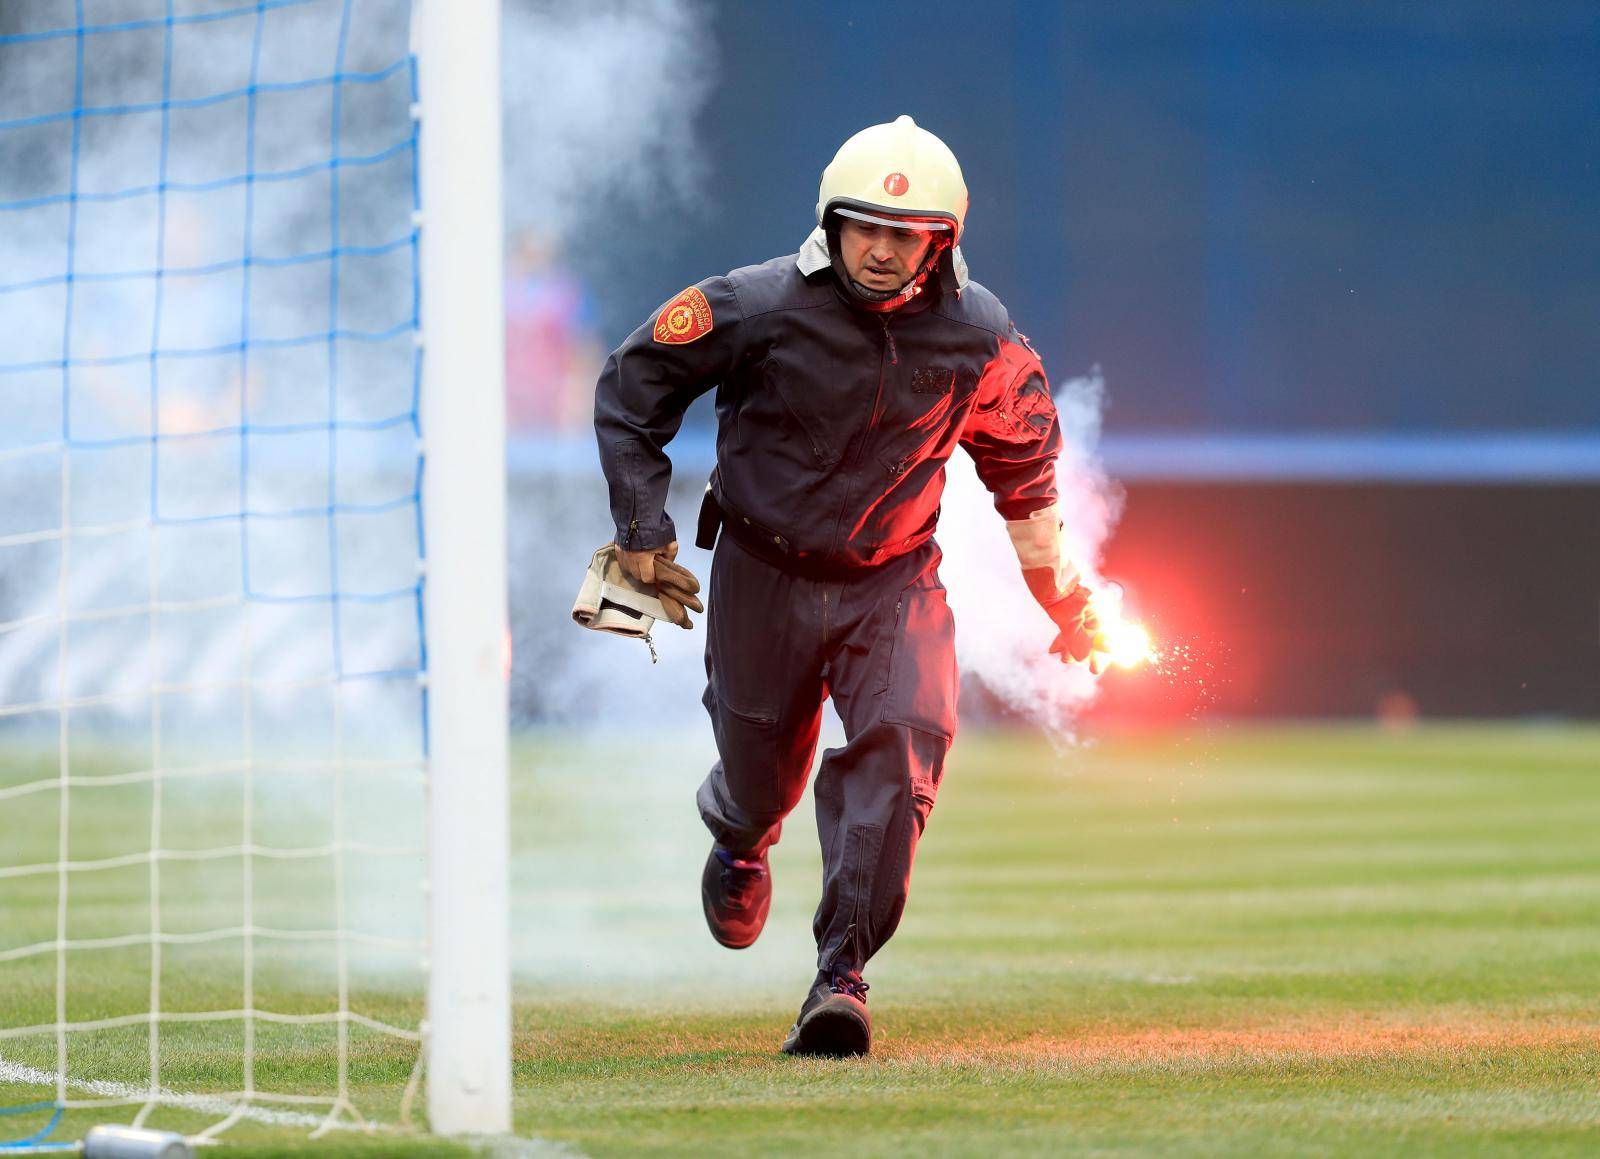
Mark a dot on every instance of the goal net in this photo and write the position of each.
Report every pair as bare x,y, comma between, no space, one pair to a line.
214,673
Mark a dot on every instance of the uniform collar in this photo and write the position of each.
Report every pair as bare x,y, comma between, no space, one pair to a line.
813,257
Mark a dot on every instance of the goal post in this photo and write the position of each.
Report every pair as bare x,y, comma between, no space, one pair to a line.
468,1033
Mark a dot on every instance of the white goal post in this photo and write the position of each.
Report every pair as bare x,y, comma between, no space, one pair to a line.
468,1032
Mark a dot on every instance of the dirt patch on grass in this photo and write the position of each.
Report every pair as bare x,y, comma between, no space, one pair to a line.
714,1047
1302,1041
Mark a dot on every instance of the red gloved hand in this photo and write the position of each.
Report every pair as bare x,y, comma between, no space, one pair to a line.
1080,627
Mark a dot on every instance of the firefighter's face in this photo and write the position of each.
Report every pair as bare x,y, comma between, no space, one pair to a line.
879,257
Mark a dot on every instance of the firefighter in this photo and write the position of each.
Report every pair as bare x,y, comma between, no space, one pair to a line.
846,375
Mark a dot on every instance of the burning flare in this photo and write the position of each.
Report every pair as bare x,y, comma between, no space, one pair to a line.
1120,642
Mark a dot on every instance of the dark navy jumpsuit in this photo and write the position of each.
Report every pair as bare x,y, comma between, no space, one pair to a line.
834,424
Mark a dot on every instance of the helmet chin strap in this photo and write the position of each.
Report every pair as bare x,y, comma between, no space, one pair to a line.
886,301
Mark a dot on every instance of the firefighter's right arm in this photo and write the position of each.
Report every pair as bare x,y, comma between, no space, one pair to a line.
686,348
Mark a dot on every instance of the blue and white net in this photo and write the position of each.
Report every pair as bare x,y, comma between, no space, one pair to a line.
211,656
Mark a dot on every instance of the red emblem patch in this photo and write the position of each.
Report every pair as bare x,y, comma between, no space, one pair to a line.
895,185
685,318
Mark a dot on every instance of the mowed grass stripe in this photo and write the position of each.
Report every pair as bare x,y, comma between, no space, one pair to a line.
1080,971
1239,940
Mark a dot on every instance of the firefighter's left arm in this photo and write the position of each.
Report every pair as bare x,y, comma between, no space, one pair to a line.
1014,438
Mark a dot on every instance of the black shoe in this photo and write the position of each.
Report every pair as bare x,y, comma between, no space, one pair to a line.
736,893
834,1020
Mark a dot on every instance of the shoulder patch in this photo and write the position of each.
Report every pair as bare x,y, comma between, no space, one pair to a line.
685,318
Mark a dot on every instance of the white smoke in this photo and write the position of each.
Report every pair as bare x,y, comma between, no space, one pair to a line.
160,466
601,105
1002,636
599,109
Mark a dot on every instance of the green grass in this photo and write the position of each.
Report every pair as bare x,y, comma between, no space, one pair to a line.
1240,940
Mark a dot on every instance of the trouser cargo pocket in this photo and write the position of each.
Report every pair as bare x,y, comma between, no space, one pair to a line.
922,679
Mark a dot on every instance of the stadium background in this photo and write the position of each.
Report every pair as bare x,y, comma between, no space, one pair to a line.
1338,264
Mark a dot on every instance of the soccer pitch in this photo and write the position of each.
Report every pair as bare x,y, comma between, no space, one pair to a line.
1224,941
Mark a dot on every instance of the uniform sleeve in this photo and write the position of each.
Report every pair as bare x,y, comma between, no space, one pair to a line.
685,349
1013,434
1014,437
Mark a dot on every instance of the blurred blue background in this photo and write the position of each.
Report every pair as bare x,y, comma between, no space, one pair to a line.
1256,217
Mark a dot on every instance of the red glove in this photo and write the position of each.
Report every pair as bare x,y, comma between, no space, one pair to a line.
1053,581
1080,626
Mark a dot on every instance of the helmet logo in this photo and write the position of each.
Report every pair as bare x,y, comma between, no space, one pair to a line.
896,184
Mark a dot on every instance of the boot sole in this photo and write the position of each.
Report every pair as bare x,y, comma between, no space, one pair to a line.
722,941
835,1029
721,933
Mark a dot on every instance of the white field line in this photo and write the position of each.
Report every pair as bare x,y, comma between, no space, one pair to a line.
12,1072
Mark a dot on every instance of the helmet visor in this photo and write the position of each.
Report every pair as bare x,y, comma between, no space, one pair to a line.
920,224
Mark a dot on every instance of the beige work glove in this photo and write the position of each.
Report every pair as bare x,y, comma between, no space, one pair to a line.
611,600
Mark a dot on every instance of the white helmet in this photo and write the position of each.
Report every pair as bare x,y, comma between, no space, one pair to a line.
897,171
897,175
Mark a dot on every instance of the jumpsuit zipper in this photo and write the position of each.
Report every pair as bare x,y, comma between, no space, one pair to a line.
893,359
